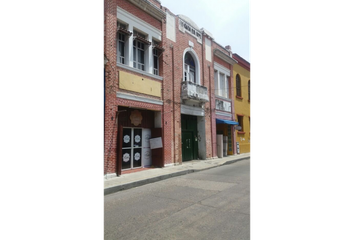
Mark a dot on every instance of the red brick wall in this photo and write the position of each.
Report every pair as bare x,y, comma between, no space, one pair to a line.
221,62
156,3
138,12
171,69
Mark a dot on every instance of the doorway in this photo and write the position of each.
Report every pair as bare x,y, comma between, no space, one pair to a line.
189,137
187,145
131,148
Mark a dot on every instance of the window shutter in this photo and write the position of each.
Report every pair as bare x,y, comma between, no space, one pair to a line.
238,85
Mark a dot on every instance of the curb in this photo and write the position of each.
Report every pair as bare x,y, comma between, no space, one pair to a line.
163,177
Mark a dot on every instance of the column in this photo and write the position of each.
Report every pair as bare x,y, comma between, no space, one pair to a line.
129,48
149,57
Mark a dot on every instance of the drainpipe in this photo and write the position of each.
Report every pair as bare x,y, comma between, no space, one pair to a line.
211,116
173,103
203,60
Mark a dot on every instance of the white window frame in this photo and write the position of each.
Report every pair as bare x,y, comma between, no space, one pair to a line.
139,48
221,85
188,73
157,67
121,56
186,69
135,23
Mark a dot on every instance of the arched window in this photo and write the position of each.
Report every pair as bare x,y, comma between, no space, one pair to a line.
249,90
238,85
189,68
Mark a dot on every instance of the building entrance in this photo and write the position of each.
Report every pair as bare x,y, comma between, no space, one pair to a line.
131,148
189,137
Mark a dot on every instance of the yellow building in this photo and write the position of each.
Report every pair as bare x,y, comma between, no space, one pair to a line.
242,102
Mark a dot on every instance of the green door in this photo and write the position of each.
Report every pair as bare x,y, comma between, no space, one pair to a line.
187,145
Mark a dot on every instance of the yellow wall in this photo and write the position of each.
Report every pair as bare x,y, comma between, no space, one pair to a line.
242,106
139,84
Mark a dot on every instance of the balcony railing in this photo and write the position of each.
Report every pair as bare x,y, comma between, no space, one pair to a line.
192,91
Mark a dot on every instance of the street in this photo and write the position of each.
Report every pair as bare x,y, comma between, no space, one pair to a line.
211,204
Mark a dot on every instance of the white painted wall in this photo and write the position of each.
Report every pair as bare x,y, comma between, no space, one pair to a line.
201,137
170,27
219,143
208,49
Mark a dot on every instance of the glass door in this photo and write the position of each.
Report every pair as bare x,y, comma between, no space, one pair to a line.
137,143
131,148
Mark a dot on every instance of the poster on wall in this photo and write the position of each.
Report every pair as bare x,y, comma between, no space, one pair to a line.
155,143
146,151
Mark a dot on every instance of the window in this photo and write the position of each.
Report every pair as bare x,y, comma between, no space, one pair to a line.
189,68
134,45
221,84
156,51
123,35
249,90
138,54
216,83
238,86
240,122
121,46
156,62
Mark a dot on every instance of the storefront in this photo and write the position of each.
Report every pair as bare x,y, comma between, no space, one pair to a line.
135,129
225,137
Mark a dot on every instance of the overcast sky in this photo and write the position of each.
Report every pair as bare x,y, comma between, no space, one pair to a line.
227,20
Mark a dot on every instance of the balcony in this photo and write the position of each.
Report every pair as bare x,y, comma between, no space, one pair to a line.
194,92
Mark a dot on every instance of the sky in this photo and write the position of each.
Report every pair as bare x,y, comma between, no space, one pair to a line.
227,20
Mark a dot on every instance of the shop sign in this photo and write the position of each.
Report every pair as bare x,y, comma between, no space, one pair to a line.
155,143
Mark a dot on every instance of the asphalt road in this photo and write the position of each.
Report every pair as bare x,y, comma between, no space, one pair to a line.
212,204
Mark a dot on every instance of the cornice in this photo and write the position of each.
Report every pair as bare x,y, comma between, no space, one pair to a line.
242,62
149,8
225,57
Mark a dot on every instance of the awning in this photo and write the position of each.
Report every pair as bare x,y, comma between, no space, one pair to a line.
226,122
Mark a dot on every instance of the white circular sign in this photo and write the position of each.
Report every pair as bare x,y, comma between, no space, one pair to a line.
137,138
126,138
126,157
137,156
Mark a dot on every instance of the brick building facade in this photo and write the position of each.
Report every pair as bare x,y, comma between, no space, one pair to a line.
164,78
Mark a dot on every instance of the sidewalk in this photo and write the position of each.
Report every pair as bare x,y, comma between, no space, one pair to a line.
136,179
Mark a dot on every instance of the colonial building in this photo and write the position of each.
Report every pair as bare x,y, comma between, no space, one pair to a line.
166,80
242,103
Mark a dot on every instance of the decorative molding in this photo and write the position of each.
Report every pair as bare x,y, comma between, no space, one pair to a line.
223,114
189,110
185,26
138,98
136,22
139,71
223,98
149,8
207,33
222,69
224,57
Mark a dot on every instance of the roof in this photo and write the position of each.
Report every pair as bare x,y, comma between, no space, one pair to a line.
242,62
